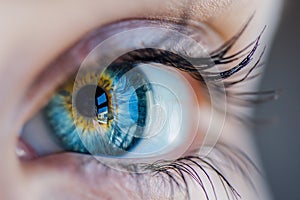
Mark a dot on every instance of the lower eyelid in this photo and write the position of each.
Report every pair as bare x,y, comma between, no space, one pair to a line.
86,177
80,176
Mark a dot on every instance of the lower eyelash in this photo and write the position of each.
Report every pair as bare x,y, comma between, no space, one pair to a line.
175,175
194,166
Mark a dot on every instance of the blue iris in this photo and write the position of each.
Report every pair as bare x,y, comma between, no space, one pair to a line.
62,123
133,107
121,113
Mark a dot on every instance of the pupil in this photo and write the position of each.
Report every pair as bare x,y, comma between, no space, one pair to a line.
92,101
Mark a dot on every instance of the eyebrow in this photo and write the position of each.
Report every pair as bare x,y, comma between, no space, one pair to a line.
201,10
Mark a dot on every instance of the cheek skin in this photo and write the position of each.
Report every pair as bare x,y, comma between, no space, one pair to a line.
67,176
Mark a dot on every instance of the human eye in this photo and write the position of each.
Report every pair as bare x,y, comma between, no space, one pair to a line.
145,106
132,87
132,94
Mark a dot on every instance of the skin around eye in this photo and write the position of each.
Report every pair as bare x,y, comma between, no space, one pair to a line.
31,44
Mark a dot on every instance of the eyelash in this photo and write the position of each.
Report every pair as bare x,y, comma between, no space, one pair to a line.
174,172
188,165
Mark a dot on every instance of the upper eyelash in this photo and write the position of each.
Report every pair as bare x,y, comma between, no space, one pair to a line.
217,57
182,62
202,64
189,164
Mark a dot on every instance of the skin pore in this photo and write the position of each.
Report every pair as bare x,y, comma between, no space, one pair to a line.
36,32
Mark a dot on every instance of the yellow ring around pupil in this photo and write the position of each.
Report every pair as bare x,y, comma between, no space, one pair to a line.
89,78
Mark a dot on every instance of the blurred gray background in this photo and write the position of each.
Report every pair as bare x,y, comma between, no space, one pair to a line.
279,142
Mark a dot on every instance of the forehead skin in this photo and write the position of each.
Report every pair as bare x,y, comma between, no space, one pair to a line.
33,33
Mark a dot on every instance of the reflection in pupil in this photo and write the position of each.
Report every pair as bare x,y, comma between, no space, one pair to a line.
92,101
101,105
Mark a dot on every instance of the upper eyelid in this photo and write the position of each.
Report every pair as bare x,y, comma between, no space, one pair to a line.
61,68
